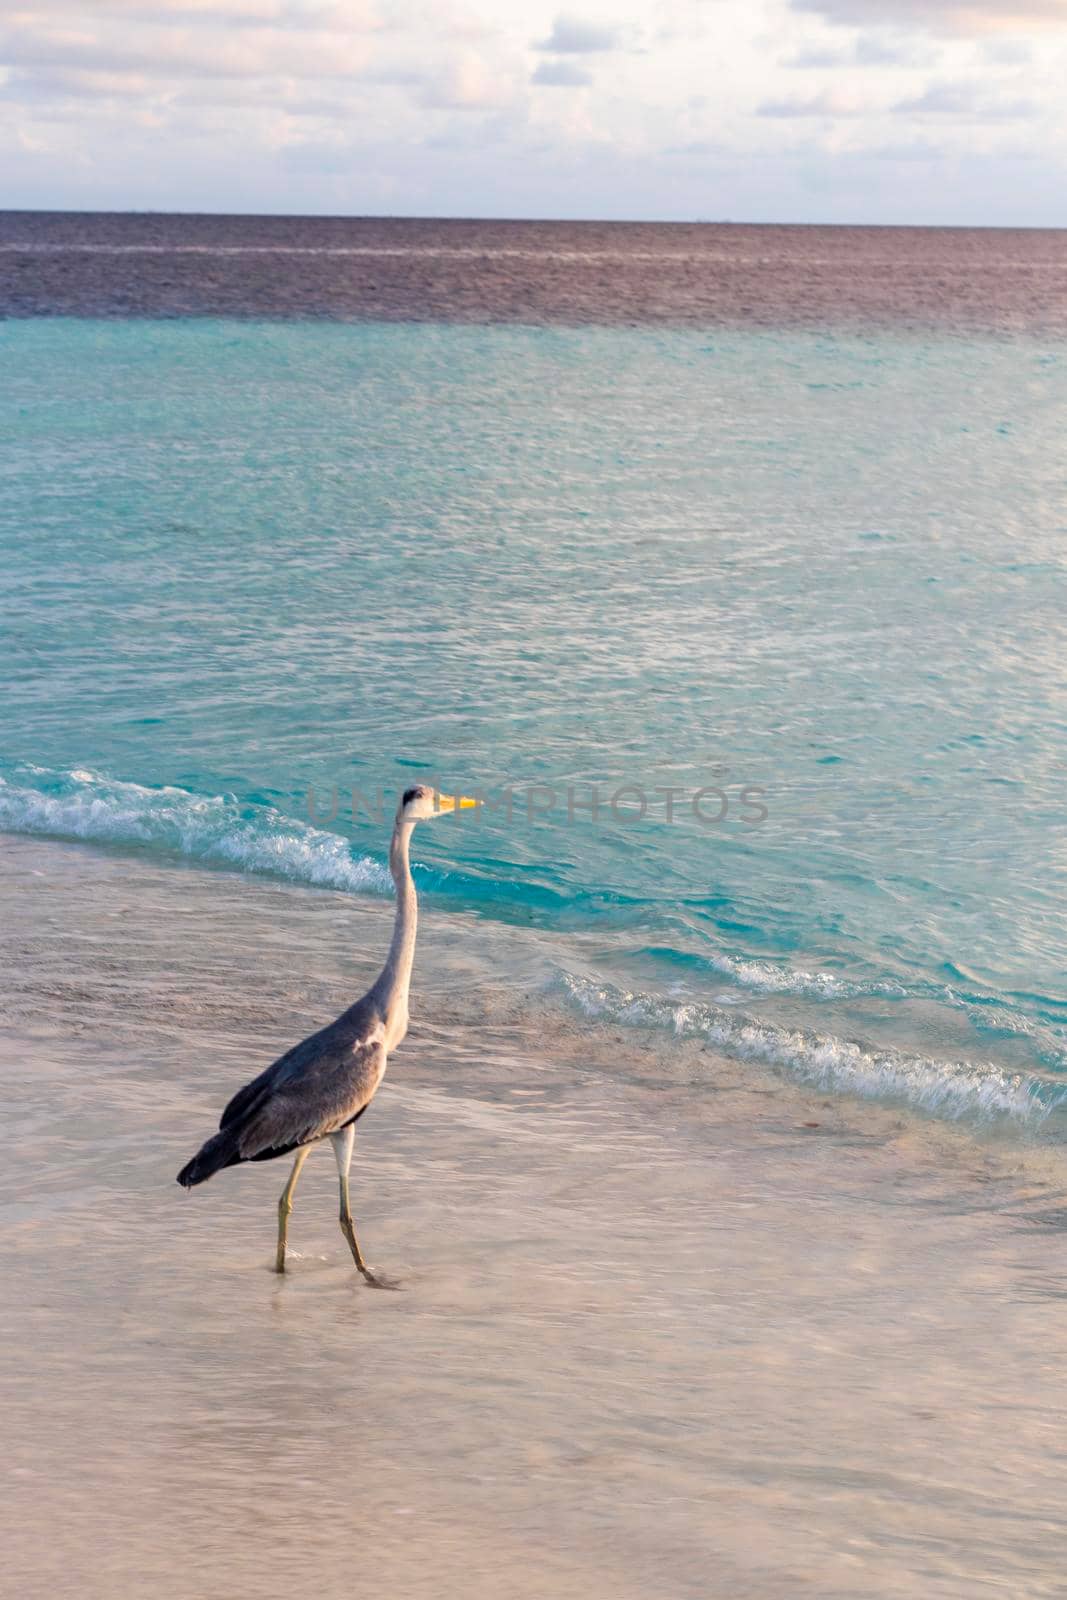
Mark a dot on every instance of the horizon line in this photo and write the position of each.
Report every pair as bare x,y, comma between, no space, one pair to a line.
530,221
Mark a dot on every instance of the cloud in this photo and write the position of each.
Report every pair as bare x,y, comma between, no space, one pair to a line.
253,70
572,37
466,83
963,100
915,150
36,44
1007,52
176,58
561,75
225,14
50,84
830,103
943,16
869,50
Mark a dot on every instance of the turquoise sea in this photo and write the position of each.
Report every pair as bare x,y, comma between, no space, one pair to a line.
250,566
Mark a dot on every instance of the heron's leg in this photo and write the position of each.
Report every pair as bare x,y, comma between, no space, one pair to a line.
285,1205
342,1149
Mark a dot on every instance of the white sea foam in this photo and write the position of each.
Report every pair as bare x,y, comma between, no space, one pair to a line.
213,828
766,978
978,1090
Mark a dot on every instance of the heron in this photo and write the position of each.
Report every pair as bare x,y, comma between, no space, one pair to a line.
321,1087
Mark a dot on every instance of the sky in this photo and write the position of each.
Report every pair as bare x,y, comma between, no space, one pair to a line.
863,111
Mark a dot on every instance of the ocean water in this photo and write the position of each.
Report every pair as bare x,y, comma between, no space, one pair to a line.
1004,281
814,575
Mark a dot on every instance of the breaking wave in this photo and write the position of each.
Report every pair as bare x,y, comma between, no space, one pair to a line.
955,1090
764,977
211,828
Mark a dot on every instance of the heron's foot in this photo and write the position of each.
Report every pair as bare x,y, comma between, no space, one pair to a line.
375,1280
349,1230
279,1264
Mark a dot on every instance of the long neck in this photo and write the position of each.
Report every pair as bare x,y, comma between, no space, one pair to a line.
396,974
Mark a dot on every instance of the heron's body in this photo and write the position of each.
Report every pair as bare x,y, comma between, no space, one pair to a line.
322,1086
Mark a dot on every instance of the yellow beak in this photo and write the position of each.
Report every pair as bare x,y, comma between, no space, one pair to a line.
451,802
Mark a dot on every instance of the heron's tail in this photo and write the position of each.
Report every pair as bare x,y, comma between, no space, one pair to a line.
221,1150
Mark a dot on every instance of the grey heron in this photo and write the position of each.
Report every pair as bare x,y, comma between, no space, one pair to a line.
321,1087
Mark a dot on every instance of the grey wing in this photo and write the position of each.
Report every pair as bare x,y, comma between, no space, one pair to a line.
359,1024
252,1094
313,1091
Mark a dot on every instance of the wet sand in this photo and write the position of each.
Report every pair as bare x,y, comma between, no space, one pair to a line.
658,1335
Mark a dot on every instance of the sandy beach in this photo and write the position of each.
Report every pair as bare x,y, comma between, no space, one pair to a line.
687,1332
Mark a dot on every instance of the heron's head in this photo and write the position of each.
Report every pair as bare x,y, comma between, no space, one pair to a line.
421,802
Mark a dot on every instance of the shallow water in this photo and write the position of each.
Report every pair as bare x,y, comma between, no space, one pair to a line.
818,579
668,1323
